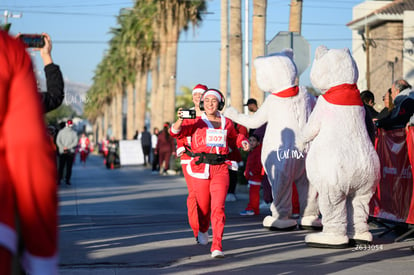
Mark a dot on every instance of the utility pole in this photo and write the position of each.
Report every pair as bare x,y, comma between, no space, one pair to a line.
246,54
295,20
6,16
295,17
367,52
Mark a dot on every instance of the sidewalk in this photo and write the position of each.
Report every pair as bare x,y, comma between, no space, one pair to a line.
128,221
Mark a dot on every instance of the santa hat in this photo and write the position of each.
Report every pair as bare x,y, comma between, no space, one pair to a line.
69,123
199,88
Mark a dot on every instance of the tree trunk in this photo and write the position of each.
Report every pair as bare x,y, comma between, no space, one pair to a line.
162,78
117,113
106,120
131,123
236,55
156,119
113,124
96,129
171,64
258,44
141,99
224,51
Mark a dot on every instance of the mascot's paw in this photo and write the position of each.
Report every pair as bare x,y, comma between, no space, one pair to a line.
326,240
300,144
310,223
231,113
360,238
279,224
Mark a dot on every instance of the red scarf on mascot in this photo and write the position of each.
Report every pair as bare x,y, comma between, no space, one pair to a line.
344,94
289,92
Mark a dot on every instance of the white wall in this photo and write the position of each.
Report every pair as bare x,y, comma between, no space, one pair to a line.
358,52
408,57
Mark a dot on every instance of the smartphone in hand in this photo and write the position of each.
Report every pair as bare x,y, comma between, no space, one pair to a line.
33,40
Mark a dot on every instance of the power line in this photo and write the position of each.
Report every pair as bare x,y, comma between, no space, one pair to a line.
83,5
65,13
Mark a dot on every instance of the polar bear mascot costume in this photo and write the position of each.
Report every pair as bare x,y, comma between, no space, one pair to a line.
341,163
286,111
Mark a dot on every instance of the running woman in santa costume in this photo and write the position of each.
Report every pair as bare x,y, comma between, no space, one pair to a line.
184,152
28,187
83,148
208,167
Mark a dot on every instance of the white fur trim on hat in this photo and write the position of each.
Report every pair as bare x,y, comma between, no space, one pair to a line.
214,93
199,88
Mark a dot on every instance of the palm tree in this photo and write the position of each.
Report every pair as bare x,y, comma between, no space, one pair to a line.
134,48
235,50
258,44
177,18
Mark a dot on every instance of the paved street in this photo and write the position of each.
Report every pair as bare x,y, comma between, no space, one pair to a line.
128,221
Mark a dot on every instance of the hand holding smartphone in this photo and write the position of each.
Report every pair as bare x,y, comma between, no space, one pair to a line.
33,40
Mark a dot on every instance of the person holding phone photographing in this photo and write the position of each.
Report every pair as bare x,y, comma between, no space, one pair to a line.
208,167
53,97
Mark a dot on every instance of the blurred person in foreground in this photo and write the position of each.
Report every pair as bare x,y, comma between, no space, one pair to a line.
27,167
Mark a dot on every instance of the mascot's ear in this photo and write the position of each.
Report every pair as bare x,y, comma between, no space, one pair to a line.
320,51
288,52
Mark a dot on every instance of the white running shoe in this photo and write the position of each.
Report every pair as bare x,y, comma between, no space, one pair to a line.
265,205
231,197
247,213
217,254
202,238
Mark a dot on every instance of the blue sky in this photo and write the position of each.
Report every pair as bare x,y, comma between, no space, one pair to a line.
80,32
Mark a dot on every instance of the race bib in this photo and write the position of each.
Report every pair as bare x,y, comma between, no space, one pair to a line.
216,137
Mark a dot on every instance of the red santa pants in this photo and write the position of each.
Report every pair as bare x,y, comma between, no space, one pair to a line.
83,155
211,195
191,201
254,198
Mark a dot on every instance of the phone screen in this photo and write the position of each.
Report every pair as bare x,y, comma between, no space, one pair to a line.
33,40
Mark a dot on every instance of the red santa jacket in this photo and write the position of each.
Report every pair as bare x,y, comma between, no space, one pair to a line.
84,144
27,162
206,139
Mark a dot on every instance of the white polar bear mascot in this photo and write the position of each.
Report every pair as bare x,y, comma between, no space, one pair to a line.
286,111
341,163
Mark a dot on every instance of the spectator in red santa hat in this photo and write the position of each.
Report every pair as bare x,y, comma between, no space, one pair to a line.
184,152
